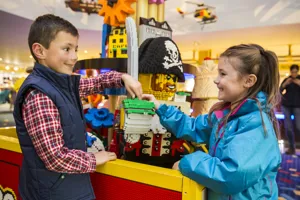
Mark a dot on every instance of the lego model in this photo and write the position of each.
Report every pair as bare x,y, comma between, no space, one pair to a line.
149,9
138,134
87,6
115,11
7,194
92,101
98,122
132,61
117,45
204,14
160,67
205,92
141,138
93,143
150,28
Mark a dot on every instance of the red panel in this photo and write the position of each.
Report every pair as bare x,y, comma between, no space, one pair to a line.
112,188
106,187
10,165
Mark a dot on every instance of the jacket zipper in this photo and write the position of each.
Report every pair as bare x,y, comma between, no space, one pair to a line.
221,136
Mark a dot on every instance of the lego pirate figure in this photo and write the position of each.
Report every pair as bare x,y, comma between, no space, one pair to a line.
160,67
145,140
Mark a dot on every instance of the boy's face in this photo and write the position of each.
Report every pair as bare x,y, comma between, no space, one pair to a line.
61,55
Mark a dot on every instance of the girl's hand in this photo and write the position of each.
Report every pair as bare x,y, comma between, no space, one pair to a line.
150,97
176,165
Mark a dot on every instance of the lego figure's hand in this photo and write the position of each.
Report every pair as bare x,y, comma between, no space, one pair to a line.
150,97
132,86
104,156
176,165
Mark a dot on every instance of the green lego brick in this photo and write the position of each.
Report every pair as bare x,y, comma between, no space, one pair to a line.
138,104
140,111
183,94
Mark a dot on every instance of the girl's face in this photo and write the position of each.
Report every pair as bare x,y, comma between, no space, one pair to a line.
230,83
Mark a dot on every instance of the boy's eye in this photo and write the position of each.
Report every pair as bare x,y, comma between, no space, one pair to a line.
66,49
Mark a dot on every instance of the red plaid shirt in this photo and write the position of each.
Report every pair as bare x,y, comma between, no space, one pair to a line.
43,124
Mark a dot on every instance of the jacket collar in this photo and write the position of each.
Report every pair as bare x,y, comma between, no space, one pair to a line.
247,106
63,81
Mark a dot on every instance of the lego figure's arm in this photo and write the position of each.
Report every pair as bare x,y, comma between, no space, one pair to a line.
182,126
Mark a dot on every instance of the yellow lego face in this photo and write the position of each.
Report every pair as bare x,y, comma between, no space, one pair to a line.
164,82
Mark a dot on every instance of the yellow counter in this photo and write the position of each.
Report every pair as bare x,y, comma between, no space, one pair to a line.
114,178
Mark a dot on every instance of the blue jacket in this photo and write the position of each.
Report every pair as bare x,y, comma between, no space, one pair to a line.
242,162
36,181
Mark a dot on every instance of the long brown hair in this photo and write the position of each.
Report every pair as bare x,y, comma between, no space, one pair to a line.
253,59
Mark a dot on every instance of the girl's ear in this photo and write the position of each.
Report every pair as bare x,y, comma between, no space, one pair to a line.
39,51
250,80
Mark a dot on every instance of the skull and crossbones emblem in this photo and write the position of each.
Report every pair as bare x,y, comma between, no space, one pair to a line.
172,59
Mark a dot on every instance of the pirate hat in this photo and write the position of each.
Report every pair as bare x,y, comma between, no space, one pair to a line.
160,56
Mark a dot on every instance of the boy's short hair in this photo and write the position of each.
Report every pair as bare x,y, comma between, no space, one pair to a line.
294,66
45,28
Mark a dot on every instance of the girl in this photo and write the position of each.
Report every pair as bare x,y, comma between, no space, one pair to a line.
240,130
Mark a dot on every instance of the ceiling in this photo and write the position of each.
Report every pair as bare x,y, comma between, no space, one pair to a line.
271,23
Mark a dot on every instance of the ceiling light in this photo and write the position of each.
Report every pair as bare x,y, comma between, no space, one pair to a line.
85,51
7,67
30,56
12,72
16,62
16,68
1,59
7,61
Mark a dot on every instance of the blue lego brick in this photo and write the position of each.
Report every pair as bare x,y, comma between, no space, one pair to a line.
105,32
99,118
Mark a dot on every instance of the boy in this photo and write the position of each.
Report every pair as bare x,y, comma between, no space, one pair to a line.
49,117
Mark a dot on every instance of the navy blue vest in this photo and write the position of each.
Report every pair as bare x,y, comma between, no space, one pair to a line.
37,182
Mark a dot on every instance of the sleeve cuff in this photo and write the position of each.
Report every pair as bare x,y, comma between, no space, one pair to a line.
92,162
162,109
191,161
118,78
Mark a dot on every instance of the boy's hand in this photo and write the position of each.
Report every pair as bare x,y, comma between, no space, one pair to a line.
104,156
150,97
132,86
